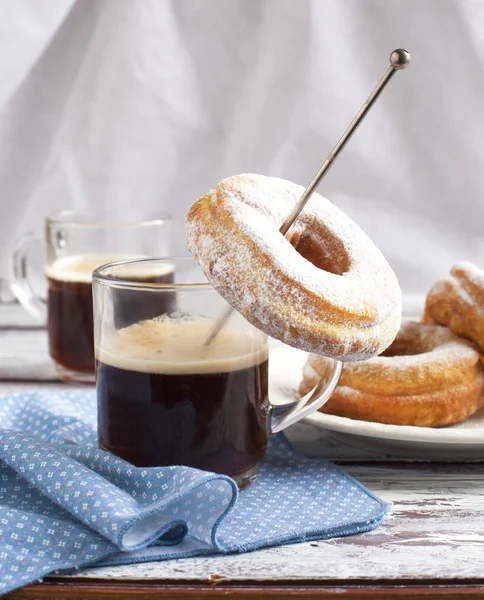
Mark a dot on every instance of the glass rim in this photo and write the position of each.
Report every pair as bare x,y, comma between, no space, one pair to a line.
98,275
73,214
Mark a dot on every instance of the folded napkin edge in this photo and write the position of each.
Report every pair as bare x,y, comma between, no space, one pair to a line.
132,527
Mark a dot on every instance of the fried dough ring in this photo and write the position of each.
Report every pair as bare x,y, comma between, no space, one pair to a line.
457,301
428,377
325,288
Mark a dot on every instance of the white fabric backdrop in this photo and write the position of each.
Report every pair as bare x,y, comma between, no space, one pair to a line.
146,104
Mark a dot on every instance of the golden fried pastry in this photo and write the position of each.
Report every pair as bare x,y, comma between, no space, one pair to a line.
324,288
428,377
458,302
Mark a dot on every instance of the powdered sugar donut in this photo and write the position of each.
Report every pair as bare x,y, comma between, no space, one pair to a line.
324,288
458,302
428,377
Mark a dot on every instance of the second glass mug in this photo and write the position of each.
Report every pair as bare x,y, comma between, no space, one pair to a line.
165,398
76,243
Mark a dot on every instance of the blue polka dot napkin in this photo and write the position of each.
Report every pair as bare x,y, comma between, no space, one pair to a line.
65,504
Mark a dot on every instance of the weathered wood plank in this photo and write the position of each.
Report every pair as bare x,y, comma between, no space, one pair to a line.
154,591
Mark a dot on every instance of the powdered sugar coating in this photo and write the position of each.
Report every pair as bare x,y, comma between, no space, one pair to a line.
419,360
351,313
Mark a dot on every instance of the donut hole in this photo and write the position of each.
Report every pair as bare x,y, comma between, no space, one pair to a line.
324,252
401,349
412,340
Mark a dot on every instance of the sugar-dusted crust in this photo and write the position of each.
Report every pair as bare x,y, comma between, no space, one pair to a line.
324,288
430,378
457,301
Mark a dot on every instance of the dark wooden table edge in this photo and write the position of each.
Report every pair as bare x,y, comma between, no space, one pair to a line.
290,590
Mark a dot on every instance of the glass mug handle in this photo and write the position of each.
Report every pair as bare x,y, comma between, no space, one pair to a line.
20,284
281,416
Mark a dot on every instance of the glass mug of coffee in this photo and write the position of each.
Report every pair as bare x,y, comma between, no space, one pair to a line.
77,243
165,397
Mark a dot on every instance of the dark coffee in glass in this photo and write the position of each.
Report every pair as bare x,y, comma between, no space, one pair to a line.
168,397
70,307
163,399
77,242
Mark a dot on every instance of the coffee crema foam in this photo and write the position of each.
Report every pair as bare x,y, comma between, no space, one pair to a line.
175,346
79,268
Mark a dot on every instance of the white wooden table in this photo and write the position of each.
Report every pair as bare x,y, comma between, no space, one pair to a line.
431,545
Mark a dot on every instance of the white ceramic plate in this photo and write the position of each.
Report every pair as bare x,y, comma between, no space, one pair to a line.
464,441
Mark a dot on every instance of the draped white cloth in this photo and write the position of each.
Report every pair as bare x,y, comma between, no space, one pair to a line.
142,105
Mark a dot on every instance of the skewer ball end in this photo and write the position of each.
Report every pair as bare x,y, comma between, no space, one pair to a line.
400,58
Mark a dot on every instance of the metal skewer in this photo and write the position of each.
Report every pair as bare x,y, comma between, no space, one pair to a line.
399,59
